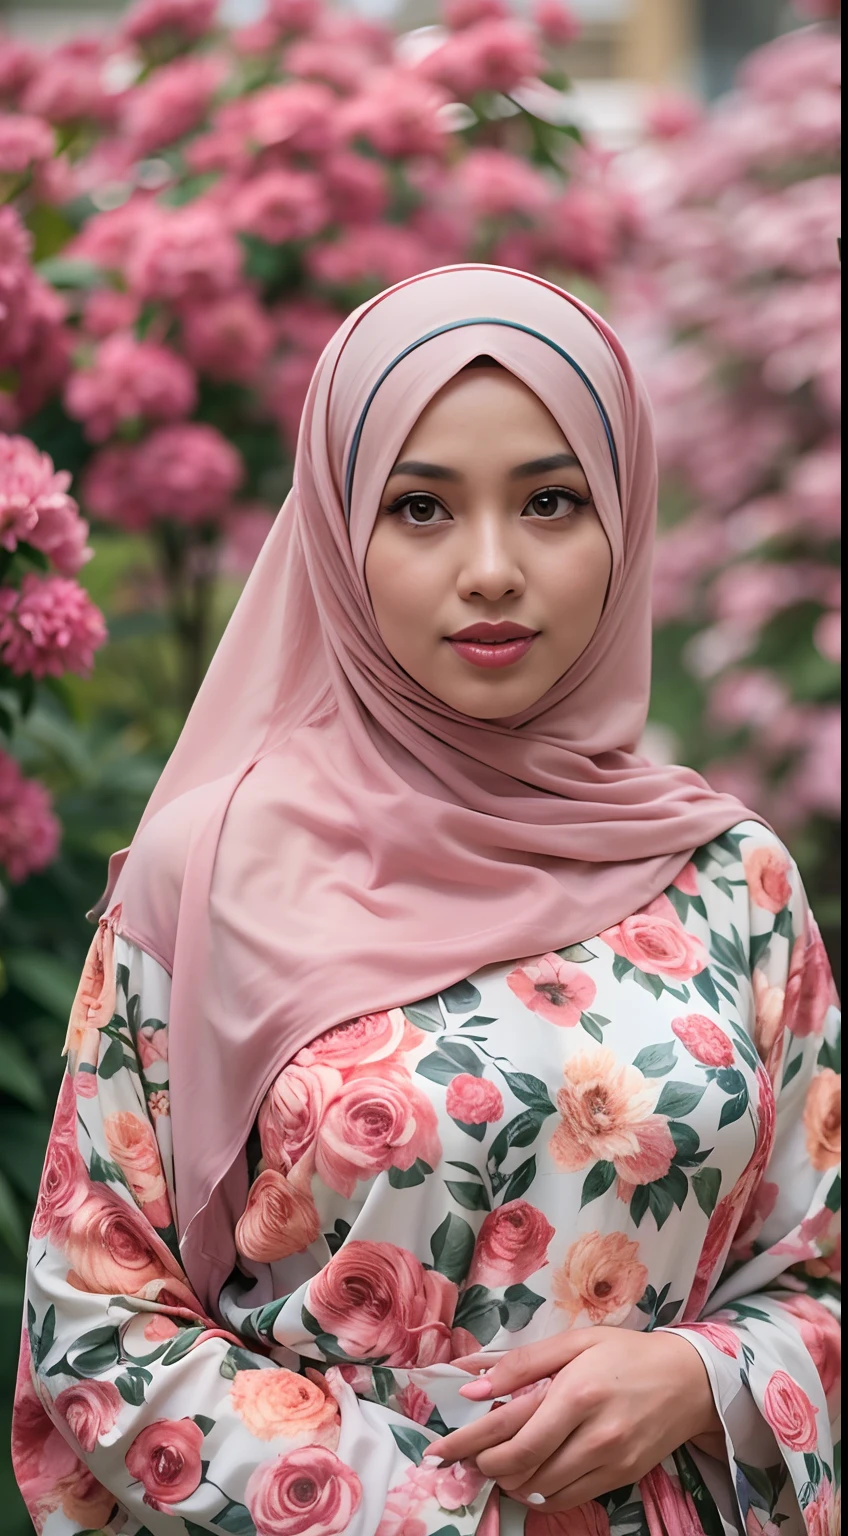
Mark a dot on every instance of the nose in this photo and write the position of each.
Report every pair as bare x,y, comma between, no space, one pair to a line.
490,566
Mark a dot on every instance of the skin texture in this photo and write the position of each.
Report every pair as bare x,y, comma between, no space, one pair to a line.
487,544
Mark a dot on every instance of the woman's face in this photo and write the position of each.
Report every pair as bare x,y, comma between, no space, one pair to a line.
486,519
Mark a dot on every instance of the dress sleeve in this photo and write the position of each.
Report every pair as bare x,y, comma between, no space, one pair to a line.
133,1407
764,1313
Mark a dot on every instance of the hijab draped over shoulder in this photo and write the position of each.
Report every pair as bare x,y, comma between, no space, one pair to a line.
328,839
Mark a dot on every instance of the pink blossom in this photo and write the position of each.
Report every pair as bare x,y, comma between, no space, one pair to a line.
458,1485
557,23
244,532
377,254
672,114
108,238
183,254
494,55
110,488
181,20
473,1100
295,15
704,1039
17,65
307,1492
555,988
287,385
187,471
459,14
35,507
90,1410
228,337
299,118
356,188
749,697
29,832
106,310
24,143
129,379
225,146
49,627
414,1403
398,115
280,205
306,323
67,86
495,183
172,102
340,65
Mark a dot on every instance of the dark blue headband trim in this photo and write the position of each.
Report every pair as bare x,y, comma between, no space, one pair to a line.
456,325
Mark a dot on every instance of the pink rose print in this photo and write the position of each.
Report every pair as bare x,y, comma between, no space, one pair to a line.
407,1500
279,1219
308,1492
668,1507
458,1485
165,1457
90,1409
371,1037
585,1520
822,1336
606,1110
65,1184
159,1328
790,1413
152,1046
41,1455
512,1244
378,1300
94,1003
769,1003
655,941
379,1119
823,1120
112,1249
720,1335
414,1404
821,1516
554,988
767,874
133,1146
291,1111
687,880
473,1100
704,1040
809,990
601,1276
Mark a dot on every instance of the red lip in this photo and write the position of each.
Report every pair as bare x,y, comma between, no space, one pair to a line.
490,633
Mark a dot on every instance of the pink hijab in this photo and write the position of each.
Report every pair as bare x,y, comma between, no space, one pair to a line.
329,839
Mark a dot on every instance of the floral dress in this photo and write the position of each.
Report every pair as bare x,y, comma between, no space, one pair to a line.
640,1131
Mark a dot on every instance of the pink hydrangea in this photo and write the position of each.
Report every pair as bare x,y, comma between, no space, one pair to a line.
556,22
672,114
295,15
48,627
495,183
378,254
29,832
24,142
460,14
183,253
110,489
306,323
228,338
129,379
172,102
398,115
495,55
224,147
35,506
17,66
106,310
107,238
68,85
187,471
286,392
16,280
356,188
182,21
338,65
298,117
280,205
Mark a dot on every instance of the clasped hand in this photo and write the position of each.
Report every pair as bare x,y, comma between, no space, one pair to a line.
603,1407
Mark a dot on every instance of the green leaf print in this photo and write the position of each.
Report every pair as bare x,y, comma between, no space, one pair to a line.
679,1099
384,1384
663,1195
711,1521
758,948
593,1023
46,1338
94,1352
577,954
733,1109
688,1144
185,1340
132,1384
656,1060
792,1070
203,1423
407,1178
237,1359
621,968
730,1080
462,1054
113,1059
521,1180
477,1131
235,1519
597,1182
452,1246
520,1132
102,1172
649,983
466,1168
529,1090
706,1184
830,1054
462,997
704,984
426,1021
446,1530
833,1199
479,1312
519,1307
473,1197
122,978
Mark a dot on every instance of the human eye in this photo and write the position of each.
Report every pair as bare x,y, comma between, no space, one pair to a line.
419,509
556,504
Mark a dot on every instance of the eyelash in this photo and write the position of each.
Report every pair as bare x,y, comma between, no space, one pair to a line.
550,490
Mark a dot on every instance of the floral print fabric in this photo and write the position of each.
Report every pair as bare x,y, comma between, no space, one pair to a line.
639,1131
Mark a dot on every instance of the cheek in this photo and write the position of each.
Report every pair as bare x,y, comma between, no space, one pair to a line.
400,589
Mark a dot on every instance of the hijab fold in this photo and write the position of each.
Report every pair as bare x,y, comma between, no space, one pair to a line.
328,839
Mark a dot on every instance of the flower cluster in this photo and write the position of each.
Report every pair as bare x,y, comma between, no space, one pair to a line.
731,304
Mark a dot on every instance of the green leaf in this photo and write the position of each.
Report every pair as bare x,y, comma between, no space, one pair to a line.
760,1482
639,1204
101,1172
477,1131
830,1054
704,984
438,1069
678,1099
520,1132
598,1180
591,1028
423,1020
184,1341
621,967
410,1442
466,1168
472,1197
792,1070
446,1530
132,1383
113,1059
94,1352
706,1184
730,1080
464,1057
407,1178
733,1109
519,1307
668,1313
18,1076
758,947
833,1199
529,1090
666,1193
576,954
479,1312
47,1337
452,1247
656,1060
236,1519
237,1359
649,983
462,997
686,1140
520,1180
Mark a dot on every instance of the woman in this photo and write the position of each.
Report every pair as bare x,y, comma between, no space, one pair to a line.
429,1026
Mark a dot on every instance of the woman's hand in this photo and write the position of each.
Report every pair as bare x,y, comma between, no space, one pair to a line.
618,1403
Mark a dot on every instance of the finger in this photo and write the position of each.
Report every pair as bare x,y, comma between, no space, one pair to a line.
594,1486
580,1457
557,1416
530,1362
475,1364
502,1422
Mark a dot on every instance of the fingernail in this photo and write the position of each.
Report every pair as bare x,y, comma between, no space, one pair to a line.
476,1390
535,1498
435,1461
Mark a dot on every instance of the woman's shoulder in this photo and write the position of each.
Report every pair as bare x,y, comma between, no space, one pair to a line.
752,866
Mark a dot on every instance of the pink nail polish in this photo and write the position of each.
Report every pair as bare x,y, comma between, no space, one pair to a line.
434,1461
476,1390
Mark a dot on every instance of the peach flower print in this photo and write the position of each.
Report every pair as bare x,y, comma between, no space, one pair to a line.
554,988
655,941
473,1100
601,1276
94,1003
769,1004
83,1499
280,1402
279,1219
133,1146
512,1244
160,1328
307,1492
790,1413
823,1516
767,874
379,1119
606,1110
823,1120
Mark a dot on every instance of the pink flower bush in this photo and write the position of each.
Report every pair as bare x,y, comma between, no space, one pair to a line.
29,832
181,20
24,142
280,205
49,626
183,253
129,379
35,507
171,103
185,471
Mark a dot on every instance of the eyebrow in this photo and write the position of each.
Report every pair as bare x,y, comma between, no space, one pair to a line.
520,472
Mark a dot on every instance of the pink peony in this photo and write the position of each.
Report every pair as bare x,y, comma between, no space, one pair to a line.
495,55
687,880
18,64
90,1409
379,1301
187,471
108,238
767,873
35,507
554,988
67,86
129,379
459,14
307,1492
378,1119
379,253
281,1403
165,1457
655,941
672,115
606,1109
48,627
704,1040
183,21
790,1413
494,184
170,103
356,188
458,1486
473,1100
41,1456
183,254
557,23
25,142
227,338
110,488
106,310
280,205
298,117
398,115
512,1244
810,990
823,1120
29,832
823,1515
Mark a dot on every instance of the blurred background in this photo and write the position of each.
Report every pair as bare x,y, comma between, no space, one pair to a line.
194,194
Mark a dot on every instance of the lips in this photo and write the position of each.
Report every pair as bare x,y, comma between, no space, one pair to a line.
491,634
